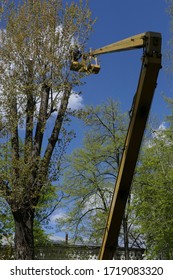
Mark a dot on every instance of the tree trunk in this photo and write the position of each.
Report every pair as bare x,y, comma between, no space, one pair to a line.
24,239
126,240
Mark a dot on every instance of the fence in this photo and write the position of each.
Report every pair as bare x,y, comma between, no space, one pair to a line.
72,252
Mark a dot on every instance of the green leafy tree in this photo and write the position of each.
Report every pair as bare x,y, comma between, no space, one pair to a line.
91,174
36,84
49,202
153,194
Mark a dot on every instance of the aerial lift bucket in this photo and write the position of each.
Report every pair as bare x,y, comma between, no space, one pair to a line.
85,66
78,66
93,68
82,67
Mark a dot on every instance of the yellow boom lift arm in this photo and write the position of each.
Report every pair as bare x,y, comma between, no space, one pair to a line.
151,64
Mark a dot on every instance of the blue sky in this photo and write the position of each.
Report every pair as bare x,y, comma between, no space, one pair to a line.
119,73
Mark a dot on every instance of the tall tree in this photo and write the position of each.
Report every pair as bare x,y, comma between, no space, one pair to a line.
92,171
153,194
36,84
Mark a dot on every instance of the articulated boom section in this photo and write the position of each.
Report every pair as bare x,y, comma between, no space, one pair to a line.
149,41
151,64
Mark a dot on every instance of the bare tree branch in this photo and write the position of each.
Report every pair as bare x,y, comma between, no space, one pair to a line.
42,117
57,127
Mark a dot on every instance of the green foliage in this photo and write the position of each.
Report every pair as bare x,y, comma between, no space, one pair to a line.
153,195
49,202
92,170
91,175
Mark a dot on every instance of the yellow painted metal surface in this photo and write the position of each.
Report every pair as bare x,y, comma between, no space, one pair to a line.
131,43
83,67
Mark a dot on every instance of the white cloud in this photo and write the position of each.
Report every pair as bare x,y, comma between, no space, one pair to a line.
57,215
56,238
76,102
162,126
159,132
